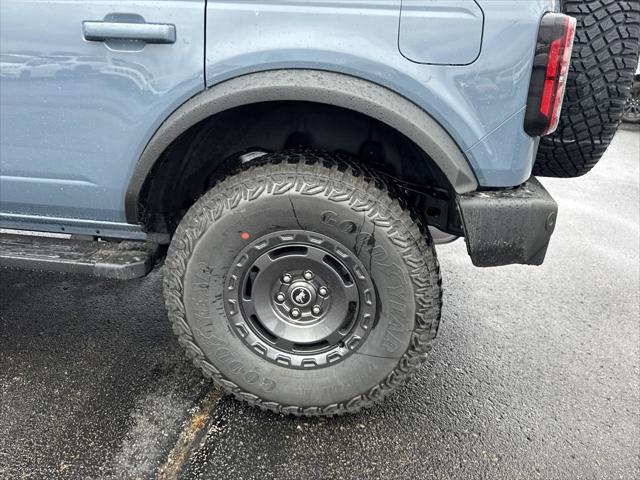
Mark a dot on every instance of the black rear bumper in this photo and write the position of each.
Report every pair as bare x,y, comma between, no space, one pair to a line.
504,227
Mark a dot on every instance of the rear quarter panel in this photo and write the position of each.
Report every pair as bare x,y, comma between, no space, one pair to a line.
481,104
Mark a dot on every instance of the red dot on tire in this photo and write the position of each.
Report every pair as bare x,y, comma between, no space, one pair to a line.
244,236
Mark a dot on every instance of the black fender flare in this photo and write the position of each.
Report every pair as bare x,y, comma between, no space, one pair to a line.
317,86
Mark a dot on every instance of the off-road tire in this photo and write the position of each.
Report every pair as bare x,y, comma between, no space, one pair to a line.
605,56
313,183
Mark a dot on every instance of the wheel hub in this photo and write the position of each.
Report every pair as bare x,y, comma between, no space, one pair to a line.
301,295
300,299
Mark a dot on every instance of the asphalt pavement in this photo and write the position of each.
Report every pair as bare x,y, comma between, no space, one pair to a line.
535,372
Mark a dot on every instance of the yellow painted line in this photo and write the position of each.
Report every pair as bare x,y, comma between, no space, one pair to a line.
184,446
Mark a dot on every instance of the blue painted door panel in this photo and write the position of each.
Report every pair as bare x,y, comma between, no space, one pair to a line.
76,114
441,32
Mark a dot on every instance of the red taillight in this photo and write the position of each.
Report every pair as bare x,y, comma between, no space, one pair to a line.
549,78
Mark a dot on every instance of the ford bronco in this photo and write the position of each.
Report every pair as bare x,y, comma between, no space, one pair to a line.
292,163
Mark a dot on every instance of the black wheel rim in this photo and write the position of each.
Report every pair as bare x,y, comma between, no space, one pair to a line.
300,299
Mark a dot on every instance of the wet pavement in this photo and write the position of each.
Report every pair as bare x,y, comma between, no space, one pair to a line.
535,373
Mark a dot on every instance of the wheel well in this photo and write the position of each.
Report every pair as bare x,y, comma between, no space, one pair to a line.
217,145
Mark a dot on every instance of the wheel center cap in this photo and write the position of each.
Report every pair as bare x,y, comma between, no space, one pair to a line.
301,296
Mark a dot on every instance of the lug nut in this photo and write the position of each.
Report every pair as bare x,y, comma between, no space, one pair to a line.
286,278
308,275
316,310
295,312
280,297
323,291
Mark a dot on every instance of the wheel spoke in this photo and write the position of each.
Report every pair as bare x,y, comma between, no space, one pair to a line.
263,262
351,293
284,345
248,306
316,255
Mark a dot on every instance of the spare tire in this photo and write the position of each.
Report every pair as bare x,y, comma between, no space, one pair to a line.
605,57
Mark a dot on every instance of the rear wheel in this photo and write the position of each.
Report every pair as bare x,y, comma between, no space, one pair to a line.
303,286
605,56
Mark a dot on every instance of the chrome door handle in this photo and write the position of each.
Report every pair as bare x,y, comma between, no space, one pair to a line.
97,31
